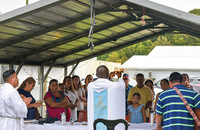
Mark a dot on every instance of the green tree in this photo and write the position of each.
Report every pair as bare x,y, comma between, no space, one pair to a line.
195,11
145,47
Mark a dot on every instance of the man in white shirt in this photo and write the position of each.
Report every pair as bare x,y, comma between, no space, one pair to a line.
12,108
106,99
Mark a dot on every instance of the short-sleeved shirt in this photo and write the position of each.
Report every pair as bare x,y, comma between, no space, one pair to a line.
31,111
127,92
55,112
175,114
145,94
80,92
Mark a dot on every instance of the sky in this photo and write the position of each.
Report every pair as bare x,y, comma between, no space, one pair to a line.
184,5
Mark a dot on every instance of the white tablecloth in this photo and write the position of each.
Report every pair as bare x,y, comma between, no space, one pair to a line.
79,126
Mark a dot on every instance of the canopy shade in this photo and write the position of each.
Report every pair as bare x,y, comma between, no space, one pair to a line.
57,30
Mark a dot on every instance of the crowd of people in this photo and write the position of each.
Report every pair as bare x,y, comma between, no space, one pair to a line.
70,97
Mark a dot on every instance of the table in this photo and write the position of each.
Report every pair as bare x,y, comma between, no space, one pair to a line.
79,126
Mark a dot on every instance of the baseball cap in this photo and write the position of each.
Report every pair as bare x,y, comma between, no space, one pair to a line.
125,75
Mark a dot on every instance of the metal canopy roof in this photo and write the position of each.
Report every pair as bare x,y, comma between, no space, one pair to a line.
57,30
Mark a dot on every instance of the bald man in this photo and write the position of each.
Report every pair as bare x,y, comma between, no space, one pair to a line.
106,99
102,72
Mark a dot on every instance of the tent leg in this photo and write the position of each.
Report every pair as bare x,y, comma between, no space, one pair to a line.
65,71
73,68
20,66
41,83
48,71
11,66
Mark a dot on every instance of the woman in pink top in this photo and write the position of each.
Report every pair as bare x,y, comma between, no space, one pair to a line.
56,102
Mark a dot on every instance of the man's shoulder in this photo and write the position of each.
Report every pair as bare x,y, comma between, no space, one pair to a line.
130,86
134,88
166,92
146,89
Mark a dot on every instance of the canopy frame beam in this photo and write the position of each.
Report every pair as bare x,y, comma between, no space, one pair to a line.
48,71
73,68
20,66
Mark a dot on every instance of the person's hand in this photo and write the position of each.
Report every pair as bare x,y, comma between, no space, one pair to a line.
27,101
80,97
187,84
39,101
119,74
112,74
37,104
158,128
73,106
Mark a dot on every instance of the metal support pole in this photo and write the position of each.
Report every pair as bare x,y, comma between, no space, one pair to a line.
73,68
20,65
41,83
26,2
11,66
65,71
48,71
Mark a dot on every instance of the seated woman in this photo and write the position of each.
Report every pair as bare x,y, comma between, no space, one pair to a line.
25,91
56,102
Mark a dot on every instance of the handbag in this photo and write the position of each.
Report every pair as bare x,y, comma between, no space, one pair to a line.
197,127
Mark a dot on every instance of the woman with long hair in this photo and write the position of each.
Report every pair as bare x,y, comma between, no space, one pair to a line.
80,92
56,102
73,97
88,79
149,83
25,91
164,85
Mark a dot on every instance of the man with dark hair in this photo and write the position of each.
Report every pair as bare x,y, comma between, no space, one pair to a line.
12,108
128,88
144,91
171,108
106,99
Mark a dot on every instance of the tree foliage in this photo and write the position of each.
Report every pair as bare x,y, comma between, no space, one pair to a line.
145,47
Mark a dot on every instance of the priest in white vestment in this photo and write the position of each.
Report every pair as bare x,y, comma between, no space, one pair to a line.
106,99
12,108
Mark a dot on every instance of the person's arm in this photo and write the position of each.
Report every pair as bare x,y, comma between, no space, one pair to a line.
143,114
121,83
148,104
34,105
158,122
83,98
130,96
119,74
26,100
76,102
156,101
149,98
21,95
112,74
18,105
31,105
65,105
53,104
129,117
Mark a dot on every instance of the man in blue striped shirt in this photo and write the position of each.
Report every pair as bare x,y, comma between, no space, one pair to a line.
171,108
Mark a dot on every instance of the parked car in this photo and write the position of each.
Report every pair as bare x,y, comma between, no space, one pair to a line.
196,85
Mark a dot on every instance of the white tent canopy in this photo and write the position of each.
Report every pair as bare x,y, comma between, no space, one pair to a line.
167,58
